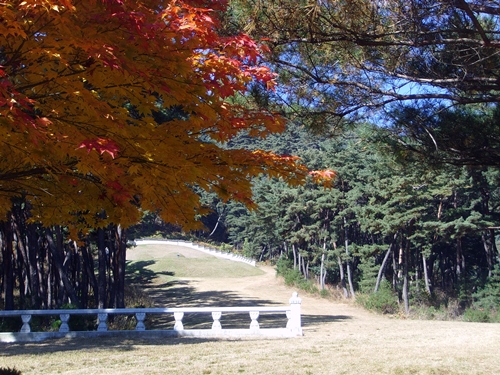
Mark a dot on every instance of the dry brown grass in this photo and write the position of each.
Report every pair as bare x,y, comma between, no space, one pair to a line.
339,338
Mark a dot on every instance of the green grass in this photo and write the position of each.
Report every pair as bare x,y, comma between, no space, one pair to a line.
173,266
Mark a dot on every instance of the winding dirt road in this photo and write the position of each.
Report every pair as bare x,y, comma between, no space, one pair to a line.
353,338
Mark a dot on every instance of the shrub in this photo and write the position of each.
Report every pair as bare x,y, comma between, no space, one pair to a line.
477,316
488,297
383,301
325,293
486,301
9,371
293,277
77,322
10,324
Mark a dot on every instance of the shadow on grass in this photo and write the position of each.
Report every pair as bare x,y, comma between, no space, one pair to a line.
180,293
138,273
111,343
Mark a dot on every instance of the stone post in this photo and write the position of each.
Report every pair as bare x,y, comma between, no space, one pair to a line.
254,325
64,323
26,323
140,321
178,315
102,322
294,316
216,315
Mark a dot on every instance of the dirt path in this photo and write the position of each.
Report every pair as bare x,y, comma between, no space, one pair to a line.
261,290
349,333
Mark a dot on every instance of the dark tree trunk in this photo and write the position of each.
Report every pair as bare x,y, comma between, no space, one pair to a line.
83,279
88,262
20,265
32,247
459,260
8,269
111,265
488,239
40,259
101,252
55,250
50,280
120,262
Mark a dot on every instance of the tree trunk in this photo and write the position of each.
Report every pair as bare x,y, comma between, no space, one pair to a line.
394,272
111,265
322,272
405,293
40,258
8,271
56,257
460,260
304,271
101,251
406,258
120,262
341,272
21,261
384,262
348,263
50,279
294,250
88,262
83,278
36,292
426,276
488,249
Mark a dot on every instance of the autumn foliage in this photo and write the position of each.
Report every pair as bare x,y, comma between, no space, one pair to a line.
81,84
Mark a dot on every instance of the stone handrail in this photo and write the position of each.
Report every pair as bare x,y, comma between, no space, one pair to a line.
205,249
293,326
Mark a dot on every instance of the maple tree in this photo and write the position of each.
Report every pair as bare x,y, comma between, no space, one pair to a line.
80,85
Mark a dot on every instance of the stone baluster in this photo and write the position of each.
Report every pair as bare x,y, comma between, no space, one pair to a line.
140,321
64,322
254,325
102,320
178,321
294,323
216,315
26,323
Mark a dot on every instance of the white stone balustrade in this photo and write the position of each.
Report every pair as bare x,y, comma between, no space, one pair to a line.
292,312
26,323
64,322
216,315
254,325
178,315
102,322
140,326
